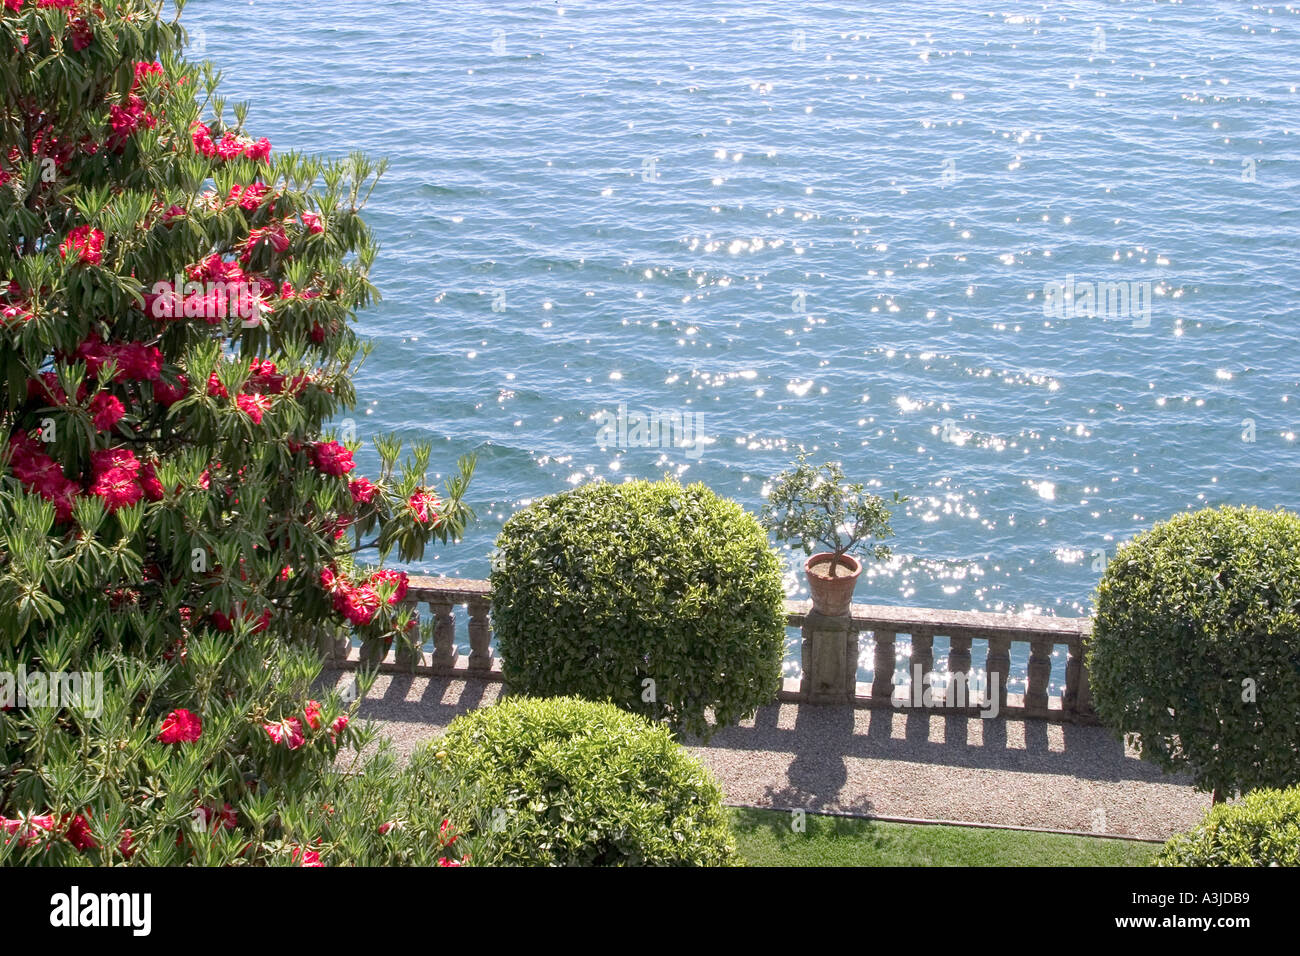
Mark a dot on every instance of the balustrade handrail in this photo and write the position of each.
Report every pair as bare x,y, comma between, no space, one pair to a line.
827,678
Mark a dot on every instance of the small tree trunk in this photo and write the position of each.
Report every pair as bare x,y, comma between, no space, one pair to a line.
1218,796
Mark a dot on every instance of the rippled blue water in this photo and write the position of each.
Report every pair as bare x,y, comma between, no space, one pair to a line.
826,225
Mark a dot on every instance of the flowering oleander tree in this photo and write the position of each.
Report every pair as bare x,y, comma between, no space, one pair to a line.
177,520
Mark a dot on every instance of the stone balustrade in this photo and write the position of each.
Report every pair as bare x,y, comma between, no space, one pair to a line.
830,654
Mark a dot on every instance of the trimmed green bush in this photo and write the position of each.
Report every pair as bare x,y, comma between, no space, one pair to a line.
665,600
1195,647
568,782
1262,830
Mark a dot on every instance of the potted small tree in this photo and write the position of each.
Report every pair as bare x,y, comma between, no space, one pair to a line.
816,506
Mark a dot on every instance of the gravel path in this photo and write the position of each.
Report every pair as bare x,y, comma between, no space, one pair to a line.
881,763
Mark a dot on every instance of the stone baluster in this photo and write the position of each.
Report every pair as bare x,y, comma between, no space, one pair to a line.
1073,667
444,633
922,656
1040,672
997,668
480,634
958,672
1083,701
851,649
882,685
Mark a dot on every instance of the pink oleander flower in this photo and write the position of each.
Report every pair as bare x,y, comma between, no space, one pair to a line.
181,727
287,732
359,605
362,490
249,197
169,395
29,828
254,406
149,483
106,411
398,579
340,724
118,487
312,714
424,506
308,857
331,458
85,243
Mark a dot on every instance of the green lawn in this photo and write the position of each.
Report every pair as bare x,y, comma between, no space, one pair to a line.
765,838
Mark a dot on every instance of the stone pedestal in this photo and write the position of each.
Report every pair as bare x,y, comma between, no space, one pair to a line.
830,659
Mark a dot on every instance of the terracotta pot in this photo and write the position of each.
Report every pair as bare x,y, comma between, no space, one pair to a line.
832,596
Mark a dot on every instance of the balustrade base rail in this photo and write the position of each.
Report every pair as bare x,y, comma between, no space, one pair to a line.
829,654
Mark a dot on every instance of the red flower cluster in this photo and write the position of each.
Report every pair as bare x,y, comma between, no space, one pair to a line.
169,395
41,474
308,857
331,458
425,507
122,480
28,828
82,34
125,120
287,291
446,834
106,411
136,362
143,69
181,727
85,243
398,579
47,386
254,406
357,603
287,732
340,724
214,819
32,829
273,234
360,602
263,377
247,198
313,714
226,622
362,490
230,146
312,222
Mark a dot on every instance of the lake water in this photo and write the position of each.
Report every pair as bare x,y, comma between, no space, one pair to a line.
843,227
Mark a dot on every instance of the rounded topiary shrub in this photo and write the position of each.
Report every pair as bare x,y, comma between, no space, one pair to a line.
663,599
567,782
1262,830
1195,647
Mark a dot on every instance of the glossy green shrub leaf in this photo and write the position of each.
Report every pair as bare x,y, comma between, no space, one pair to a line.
664,599
568,782
1262,830
1195,648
